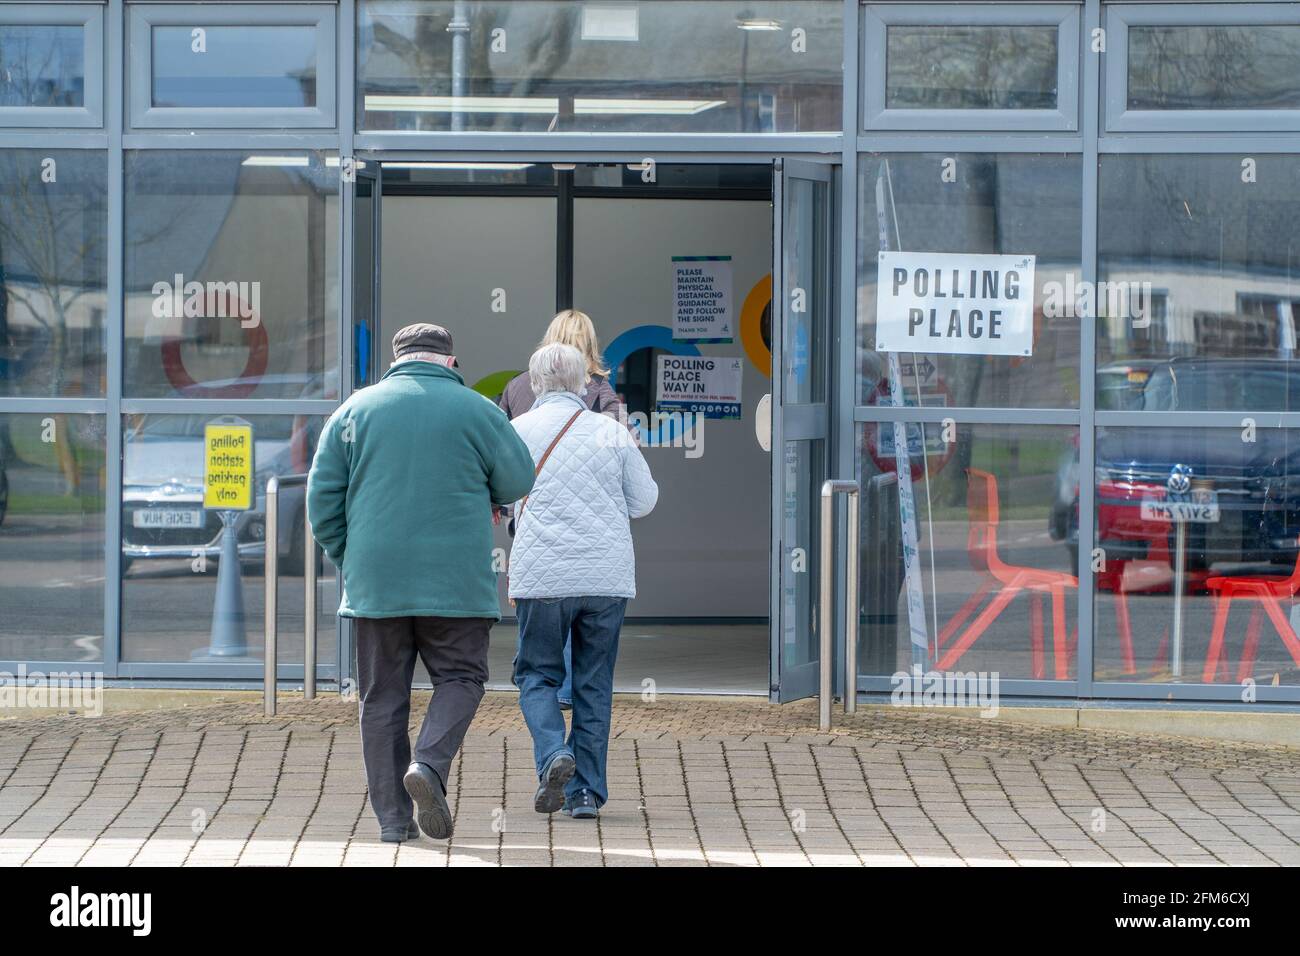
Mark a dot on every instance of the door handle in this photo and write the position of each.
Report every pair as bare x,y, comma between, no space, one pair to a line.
763,422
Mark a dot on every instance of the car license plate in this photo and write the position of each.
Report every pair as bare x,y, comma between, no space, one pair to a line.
1198,507
168,518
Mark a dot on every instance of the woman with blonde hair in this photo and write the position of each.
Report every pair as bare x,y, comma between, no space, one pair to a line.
575,328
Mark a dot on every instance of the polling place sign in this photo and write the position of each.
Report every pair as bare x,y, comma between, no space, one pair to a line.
955,303
704,384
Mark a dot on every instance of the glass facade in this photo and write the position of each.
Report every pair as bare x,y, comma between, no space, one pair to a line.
558,66
232,274
53,272
189,233
42,65
52,480
172,546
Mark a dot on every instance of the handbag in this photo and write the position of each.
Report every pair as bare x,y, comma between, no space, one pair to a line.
537,471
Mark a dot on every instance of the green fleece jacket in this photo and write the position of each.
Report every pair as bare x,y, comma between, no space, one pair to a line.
401,491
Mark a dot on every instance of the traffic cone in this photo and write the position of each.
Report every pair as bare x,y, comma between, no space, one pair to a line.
228,638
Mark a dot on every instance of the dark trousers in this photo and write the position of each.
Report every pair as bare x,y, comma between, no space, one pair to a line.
455,653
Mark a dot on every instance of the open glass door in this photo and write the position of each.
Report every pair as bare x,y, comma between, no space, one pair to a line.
362,350
366,207
803,297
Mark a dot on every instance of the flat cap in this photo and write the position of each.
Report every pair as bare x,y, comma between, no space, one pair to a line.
422,337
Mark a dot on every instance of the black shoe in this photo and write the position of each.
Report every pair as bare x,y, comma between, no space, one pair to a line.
557,772
431,810
582,805
398,834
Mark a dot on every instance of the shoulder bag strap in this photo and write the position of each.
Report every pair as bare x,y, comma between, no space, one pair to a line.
541,462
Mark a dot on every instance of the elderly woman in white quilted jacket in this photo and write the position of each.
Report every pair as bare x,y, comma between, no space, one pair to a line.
572,572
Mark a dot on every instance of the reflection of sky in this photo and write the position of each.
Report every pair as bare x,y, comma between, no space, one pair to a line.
260,66
41,65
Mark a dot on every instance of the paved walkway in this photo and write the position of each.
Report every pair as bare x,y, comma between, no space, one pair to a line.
693,781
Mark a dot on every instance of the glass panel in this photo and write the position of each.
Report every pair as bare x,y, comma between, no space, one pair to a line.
970,67
53,271
807,280
172,545
995,567
563,66
1008,204
42,65
1201,303
52,537
258,66
801,559
1214,67
1201,536
231,275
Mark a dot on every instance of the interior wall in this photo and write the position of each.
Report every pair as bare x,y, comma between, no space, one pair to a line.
704,550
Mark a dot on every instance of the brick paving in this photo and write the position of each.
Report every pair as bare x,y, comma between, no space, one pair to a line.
693,781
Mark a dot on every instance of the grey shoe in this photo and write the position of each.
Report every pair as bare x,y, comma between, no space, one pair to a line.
582,806
558,771
399,835
431,810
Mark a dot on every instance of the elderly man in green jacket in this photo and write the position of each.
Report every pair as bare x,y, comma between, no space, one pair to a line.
401,496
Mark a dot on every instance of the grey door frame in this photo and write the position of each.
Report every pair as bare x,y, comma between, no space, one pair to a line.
804,422
823,167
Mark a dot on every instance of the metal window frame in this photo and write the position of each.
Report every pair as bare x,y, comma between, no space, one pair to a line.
90,17
1119,17
1091,137
142,18
878,18
1093,141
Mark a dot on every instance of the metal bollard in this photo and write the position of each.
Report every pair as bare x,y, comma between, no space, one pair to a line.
827,617
272,578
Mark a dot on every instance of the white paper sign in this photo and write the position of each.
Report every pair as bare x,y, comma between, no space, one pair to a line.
702,299
955,303
705,384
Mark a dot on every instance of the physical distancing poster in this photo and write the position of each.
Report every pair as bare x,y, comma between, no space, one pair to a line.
702,300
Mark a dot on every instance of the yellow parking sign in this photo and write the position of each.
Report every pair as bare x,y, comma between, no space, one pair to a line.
228,465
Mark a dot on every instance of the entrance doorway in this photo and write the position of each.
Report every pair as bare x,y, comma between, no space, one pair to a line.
493,250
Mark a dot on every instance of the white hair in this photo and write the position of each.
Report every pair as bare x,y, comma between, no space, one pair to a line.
436,357
557,368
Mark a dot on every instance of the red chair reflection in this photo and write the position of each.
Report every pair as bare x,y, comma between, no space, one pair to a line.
1269,593
982,547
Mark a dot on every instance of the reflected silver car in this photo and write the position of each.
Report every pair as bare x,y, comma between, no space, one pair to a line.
162,490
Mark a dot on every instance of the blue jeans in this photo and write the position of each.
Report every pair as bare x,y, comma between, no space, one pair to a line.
592,625
565,693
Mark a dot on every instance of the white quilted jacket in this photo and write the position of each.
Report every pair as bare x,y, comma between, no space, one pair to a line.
573,538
